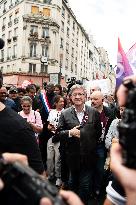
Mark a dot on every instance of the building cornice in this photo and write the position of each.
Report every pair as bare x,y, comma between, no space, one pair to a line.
40,19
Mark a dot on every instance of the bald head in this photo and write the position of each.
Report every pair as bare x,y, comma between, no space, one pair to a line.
97,99
3,94
94,88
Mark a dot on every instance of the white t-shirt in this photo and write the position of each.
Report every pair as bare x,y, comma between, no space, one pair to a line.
53,117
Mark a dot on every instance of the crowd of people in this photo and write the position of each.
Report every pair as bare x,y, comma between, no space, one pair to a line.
66,137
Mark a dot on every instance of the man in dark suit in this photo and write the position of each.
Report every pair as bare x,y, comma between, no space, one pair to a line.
79,130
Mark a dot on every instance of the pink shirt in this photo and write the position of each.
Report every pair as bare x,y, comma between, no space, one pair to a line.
33,117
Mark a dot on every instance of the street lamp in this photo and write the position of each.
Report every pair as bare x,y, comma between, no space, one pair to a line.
44,61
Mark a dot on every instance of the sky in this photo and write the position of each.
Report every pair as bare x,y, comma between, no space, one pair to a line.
107,20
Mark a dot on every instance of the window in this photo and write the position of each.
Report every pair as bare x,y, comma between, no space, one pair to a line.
8,68
3,37
77,42
68,20
76,69
10,18
71,67
46,11
61,42
1,69
11,2
63,12
67,47
9,53
9,34
33,50
14,51
72,52
16,31
34,9
34,29
73,25
32,68
4,21
67,31
66,66
45,50
44,68
4,7
45,32
2,55
62,26
77,30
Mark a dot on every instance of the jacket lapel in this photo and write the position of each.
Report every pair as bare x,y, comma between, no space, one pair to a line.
74,115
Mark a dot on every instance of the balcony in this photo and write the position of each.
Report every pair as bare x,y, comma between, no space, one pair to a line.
9,40
9,23
16,20
14,38
33,34
3,27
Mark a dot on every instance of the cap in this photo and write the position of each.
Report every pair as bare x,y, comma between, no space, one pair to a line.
13,90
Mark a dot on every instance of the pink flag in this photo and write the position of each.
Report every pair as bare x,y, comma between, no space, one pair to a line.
131,55
123,67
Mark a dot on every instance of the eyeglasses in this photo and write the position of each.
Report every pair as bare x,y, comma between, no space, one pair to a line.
79,94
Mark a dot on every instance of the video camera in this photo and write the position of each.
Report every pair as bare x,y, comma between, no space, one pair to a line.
72,82
127,126
26,184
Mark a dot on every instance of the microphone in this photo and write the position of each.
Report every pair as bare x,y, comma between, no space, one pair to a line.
2,43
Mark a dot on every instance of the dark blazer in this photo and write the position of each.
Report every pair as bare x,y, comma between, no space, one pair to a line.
80,151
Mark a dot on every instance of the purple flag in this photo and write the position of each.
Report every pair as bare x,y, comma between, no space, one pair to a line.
123,67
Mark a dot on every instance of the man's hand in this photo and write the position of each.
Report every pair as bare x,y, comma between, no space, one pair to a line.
123,91
69,197
75,132
10,157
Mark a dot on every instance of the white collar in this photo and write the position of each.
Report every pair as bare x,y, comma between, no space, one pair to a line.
81,111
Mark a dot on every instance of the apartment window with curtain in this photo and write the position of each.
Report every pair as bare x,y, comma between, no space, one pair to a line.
14,51
9,53
33,50
44,68
34,29
45,50
45,32
32,68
